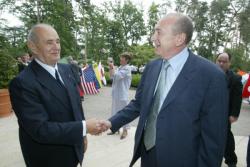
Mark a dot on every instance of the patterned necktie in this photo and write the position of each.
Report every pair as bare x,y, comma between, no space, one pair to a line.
150,128
58,79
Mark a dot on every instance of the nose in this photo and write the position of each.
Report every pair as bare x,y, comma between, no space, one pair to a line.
221,62
152,37
56,46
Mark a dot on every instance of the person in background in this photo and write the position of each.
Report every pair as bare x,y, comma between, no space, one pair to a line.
182,101
23,62
141,69
235,98
44,97
120,86
77,73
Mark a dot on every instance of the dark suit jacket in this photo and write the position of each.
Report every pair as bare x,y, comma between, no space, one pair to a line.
191,125
21,67
49,117
235,93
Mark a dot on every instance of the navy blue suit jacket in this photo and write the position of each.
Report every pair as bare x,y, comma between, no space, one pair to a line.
191,125
49,116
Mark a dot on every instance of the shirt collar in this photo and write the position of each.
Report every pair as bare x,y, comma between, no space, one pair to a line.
179,59
48,68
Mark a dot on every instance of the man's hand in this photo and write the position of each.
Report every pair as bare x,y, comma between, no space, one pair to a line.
85,143
96,127
105,125
111,65
93,126
233,119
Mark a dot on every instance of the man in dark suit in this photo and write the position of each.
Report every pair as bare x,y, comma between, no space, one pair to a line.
52,127
182,103
235,98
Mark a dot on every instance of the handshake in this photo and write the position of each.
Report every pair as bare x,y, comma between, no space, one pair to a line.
96,127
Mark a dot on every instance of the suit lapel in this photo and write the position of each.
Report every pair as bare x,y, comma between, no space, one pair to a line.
49,82
181,81
71,90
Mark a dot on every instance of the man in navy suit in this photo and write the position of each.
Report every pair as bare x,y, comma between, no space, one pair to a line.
182,101
52,127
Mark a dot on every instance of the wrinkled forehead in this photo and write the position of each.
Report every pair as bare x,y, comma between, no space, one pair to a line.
166,22
46,33
223,56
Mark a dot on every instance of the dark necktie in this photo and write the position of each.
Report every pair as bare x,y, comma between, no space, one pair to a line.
150,128
58,79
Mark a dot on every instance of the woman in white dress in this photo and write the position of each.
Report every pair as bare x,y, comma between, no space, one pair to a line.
121,77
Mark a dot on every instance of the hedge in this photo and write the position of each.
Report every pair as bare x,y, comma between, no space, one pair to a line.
134,83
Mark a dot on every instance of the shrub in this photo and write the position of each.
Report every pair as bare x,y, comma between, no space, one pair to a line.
8,68
134,83
109,81
135,80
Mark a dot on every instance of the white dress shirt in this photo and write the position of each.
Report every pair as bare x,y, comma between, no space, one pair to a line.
176,64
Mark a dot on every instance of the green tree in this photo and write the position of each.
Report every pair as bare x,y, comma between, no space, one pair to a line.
198,11
132,21
142,54
244,27
153,17
239,59
58,14
114,27
218,24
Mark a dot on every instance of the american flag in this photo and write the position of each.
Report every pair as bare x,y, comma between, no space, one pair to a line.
89,82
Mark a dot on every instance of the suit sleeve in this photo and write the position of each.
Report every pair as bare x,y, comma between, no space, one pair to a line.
236,97
214,119
34,120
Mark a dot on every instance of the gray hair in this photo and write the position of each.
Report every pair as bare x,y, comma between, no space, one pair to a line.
32,36
183,24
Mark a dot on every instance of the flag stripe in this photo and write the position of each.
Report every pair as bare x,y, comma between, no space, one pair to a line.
88,79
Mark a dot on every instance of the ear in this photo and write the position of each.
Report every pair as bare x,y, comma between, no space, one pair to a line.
32,47
180,39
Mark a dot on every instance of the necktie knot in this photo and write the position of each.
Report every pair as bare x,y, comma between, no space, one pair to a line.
56,74
165,64
58,78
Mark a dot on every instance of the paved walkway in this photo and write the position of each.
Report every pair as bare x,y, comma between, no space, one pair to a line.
104,150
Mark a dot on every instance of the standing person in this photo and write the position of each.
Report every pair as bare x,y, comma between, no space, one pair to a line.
52,129
23,62
182,101
77,74
120,87
235,98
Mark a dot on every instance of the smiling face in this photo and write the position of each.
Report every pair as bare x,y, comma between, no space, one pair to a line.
46,46
167,41
163,37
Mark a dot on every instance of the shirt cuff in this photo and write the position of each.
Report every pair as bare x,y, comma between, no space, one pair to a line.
84,130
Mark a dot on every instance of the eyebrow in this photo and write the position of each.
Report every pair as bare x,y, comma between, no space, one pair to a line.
50,40
157,29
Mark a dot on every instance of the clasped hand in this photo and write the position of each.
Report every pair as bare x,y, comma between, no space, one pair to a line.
96,127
